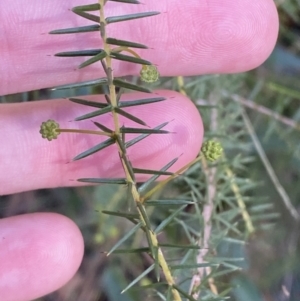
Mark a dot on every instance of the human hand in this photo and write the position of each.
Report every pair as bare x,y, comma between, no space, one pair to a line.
40,252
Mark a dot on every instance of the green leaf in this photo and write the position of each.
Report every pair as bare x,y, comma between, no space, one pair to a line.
89,103
151,172
128,58
127,1
165,222
141,137
189,247
95,149
129,216
156,263
147,271
149,182
138,102
102,127
127,85
124,43
130,17
94,59
100,81
130,251
124,238
81,29
128,130
183,293
85,15
105,110
89,7
87,52
168,202
121,181
129,116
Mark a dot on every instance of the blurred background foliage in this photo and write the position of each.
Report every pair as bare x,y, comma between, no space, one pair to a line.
269,99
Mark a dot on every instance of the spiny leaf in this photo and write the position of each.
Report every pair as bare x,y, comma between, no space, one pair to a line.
121,214
156,264
102,127
128,58
138,102
95,149
192,266
127,1
152,172
94,59
168,202
87,52
103,180
130,17
128,130
166,221
183,293
129,251
191,247
85,15
127,85
147,184
105,110
89,7
89,103
117,42
100,81
147,271
81,29
141,137
129,116
125,237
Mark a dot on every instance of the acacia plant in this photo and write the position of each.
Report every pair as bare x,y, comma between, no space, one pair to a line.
205,216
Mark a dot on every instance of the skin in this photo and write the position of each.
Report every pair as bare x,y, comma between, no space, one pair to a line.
41,252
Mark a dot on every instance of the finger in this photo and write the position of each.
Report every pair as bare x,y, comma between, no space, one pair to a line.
197,37
39,253
29,162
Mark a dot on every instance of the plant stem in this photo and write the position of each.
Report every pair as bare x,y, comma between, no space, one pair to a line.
123,156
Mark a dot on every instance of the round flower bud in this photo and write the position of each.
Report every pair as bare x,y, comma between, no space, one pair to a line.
49,129
212,150
149,74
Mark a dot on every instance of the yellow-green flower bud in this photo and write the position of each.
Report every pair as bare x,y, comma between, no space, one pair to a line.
212,150
49,129
149,74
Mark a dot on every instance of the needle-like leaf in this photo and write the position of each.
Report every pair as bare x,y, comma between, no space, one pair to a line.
125,237
166,221
168,202
140,277
87,52
85,15
89,7
95,149
127,85
93,60
124,43
81,29
148,183
102,127
129,116
100,81
128,130
128,58
89,103
138,102
105,110
141,137
130,17
120,181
